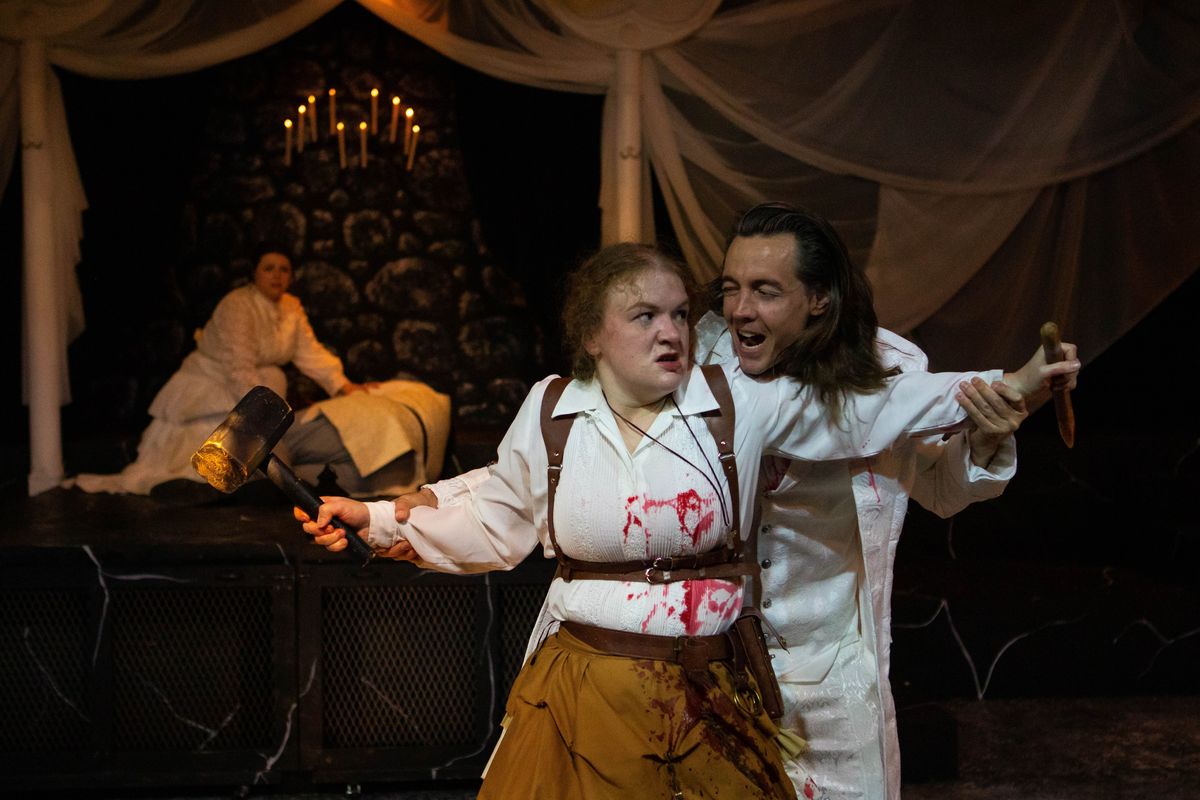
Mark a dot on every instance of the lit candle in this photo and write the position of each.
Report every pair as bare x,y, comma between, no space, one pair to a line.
412,153
374,112
287,143
341,133
408,118
395,119
312,117
300,139
332,111
362,145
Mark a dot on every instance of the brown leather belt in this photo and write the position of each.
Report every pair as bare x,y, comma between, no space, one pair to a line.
664,569
685,650
692,653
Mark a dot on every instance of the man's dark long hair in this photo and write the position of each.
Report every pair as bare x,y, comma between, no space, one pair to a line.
836,352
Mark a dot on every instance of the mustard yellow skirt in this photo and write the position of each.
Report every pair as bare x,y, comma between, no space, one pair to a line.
583,724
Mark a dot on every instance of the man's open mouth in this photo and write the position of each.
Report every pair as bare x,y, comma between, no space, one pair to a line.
751,339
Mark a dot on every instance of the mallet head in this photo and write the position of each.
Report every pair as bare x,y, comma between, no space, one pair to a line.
238,446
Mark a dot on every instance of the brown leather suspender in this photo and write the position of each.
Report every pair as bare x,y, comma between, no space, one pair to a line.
724,563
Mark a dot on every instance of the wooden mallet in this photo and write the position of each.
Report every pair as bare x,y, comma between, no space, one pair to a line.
242,444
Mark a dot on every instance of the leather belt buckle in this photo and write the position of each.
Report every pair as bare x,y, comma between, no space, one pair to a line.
662,565
664,576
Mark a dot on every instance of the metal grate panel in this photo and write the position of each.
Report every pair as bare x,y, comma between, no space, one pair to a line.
192,668
519,606
45,658
400,665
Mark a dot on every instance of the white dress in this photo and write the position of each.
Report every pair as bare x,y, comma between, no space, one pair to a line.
244,344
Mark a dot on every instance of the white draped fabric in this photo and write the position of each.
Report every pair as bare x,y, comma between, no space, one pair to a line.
993,165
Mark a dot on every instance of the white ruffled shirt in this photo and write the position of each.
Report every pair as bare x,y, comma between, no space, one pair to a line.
243,345
614,505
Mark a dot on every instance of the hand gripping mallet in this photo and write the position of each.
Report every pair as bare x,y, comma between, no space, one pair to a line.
243,443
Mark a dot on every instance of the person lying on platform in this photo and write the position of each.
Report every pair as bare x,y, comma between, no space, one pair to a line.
648,531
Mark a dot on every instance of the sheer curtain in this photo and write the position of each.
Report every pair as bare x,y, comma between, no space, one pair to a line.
992,165
1001,146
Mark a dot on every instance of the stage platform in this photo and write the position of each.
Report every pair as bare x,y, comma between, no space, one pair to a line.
148,643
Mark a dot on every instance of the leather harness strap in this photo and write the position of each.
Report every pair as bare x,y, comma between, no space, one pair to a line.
725,563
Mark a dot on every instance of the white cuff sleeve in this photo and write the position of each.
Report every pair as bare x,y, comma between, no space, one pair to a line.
383,530
1003,465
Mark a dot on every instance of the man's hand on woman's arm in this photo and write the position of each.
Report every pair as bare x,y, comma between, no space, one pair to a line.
996,411
405,503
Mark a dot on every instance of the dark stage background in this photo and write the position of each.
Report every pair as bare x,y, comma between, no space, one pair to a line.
1083,580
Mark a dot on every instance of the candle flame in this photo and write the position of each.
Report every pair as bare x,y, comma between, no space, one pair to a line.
362,126
374,93
408,112
395,100
341,126
416,128
287,123
332,92
312,99
302,109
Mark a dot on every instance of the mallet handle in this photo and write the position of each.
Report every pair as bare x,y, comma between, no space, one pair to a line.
302,495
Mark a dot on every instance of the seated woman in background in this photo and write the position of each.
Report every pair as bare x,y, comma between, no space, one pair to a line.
253,332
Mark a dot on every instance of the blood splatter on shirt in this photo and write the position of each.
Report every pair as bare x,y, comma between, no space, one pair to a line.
694,521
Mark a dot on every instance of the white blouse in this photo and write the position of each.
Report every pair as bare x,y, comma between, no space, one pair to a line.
247,331
613,505
243,345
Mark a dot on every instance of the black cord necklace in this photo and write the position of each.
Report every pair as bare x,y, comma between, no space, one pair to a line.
719,494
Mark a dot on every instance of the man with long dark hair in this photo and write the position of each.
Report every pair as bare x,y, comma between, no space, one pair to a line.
795,305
